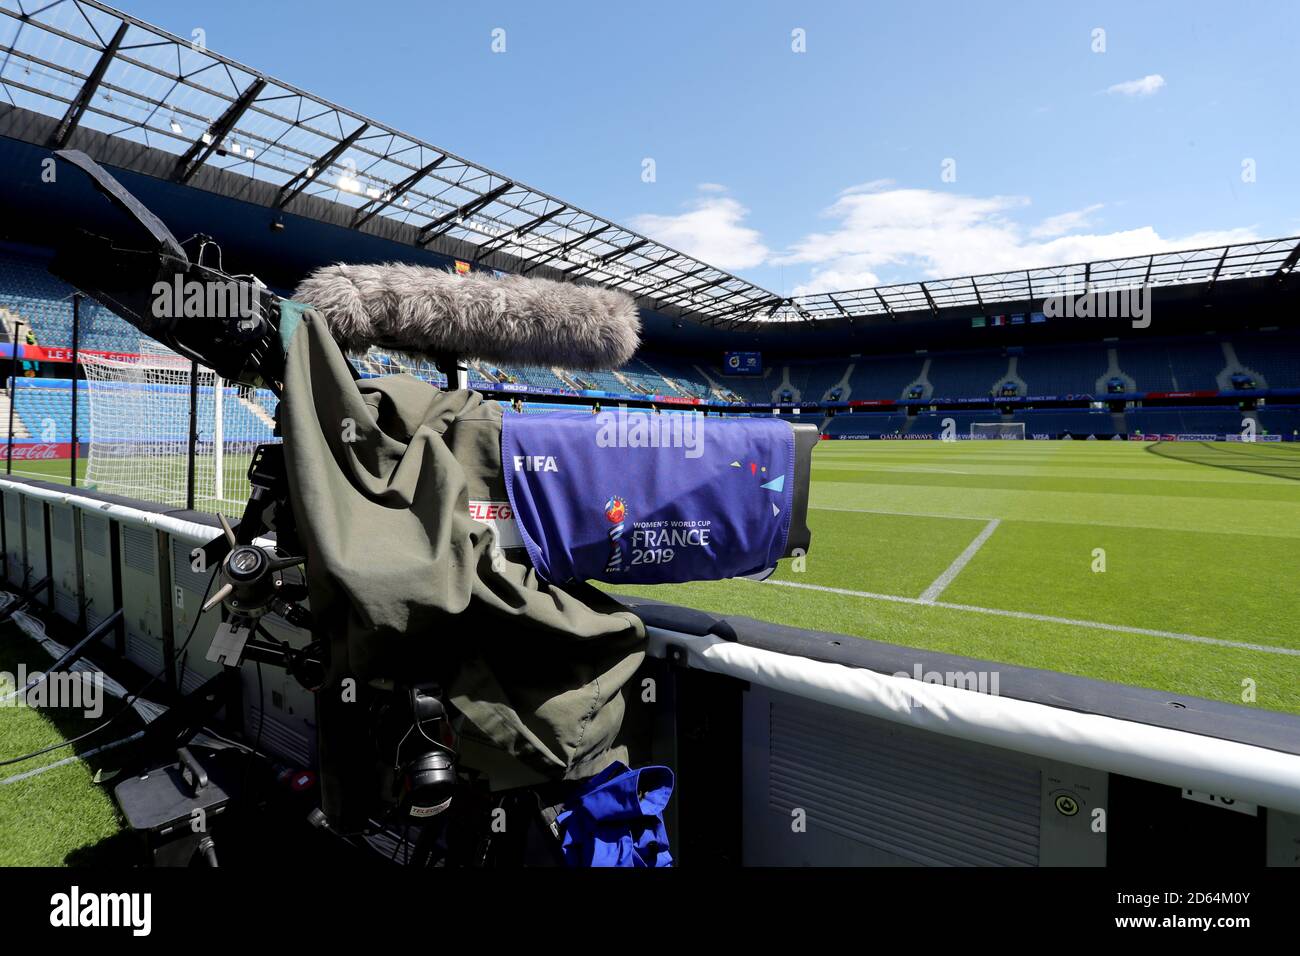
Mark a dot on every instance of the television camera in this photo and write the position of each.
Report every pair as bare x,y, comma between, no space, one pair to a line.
396,758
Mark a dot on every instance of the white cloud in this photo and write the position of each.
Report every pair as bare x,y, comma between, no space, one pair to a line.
879,234
712,231
711,188
1143,87
874,186
1064,222
845,273
942,233
899,235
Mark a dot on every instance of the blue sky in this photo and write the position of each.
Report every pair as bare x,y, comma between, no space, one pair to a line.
825,169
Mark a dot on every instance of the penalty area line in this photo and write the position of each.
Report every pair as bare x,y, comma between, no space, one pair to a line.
1043,618
940,584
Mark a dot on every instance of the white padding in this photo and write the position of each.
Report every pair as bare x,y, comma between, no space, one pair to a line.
191,531
1254,774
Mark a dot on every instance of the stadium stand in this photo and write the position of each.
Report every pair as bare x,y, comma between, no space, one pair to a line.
687,379
1207,420
1280,420
376,362
1242,360
967,374
867,423
267,401
755,389
599,381
1195,364
238,416
45,304
883,377
642,376
527,375
931,423
1167,367
812,380
1276,356
1061,421
45,407
1062,370
1147,363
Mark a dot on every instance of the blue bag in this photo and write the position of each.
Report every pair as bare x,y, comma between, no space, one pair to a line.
616,819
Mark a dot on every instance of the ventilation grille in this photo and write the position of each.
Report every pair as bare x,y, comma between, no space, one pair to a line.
278,737
13,537
13,516
182,573
65,605
61,524
144,652
35,521
138,548
94,535
192,679
902,792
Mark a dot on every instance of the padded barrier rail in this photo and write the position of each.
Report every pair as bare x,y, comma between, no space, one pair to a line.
1266,777
193,532
1196,761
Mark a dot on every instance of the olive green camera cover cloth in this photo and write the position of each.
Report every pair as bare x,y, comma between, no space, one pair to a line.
381,473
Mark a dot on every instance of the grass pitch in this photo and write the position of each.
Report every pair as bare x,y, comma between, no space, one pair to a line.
1103,560
51,811
1175,570
1170,571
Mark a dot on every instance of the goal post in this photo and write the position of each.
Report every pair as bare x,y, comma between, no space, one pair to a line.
1001,430
140,428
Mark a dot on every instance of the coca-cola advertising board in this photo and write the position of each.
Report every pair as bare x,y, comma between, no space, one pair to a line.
44,451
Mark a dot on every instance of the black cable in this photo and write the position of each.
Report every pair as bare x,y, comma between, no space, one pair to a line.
208,850
261,722
261,708
132,697
296,659
397,846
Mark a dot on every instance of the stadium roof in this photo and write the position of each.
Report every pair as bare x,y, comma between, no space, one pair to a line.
98,68
88,66
1269,257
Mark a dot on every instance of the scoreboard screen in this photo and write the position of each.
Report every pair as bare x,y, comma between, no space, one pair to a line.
742,363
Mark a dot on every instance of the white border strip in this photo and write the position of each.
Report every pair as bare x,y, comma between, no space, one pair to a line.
74,758
1046,618
1255,774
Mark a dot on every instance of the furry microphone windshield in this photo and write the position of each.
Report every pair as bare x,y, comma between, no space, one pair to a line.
426,311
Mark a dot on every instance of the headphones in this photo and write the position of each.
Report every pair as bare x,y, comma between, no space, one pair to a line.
428,778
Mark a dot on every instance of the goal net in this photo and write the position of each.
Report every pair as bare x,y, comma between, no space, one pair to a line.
376,362
997,430
140,430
